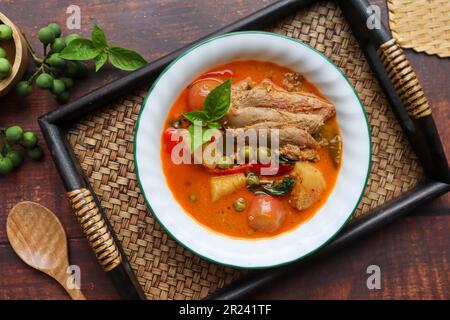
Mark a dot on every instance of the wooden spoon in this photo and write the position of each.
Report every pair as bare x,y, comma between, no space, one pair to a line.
39,239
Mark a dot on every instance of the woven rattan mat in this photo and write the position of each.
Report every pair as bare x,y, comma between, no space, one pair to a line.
103,143
423,25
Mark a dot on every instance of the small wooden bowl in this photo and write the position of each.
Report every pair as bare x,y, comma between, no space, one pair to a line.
16,49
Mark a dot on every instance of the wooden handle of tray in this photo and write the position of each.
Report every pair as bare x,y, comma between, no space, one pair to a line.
404,79
95,228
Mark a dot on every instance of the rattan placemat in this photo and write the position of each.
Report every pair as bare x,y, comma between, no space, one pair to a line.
103,143
423,25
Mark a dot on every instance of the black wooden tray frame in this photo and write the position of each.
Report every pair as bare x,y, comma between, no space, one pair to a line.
422,135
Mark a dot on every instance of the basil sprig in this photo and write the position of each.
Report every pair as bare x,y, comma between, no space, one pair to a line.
98,49
214,108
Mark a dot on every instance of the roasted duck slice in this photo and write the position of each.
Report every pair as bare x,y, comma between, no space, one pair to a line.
289,135
294,152
267,95
242,117
296,114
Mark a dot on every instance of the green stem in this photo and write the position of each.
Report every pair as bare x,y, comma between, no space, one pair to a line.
36,59
38,71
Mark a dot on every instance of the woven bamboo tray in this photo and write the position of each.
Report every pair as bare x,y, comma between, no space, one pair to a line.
423,25
103,143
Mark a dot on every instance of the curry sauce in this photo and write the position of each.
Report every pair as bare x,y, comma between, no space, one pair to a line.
185,180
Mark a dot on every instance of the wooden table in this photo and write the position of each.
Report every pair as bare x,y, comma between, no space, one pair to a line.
413,253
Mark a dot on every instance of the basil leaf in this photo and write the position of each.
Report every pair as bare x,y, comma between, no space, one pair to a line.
99,38
80,49
197,115
100,60
126,59
214,125
218,101
283,188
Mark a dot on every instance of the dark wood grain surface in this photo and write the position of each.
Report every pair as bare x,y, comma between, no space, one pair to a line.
413,253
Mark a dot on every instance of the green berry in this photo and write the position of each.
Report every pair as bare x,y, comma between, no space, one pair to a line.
14,134
72,37
35,153
56,61
46,35
44,81
5,32
6,165
23,88
63,97
55,28
58,87
3,53
5,67
15,157
58,45
29,140
81,69
71,69
68,82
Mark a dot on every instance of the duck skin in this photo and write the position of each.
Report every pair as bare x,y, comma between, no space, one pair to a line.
269,95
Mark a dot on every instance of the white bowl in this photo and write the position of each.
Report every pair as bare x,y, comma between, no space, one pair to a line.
307,237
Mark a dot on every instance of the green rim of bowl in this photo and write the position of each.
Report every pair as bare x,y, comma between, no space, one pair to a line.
175,61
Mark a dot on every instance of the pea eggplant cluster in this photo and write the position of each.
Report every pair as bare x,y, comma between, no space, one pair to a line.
14,144
53,73
5,66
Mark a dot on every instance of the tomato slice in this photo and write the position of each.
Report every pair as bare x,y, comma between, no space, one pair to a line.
170,141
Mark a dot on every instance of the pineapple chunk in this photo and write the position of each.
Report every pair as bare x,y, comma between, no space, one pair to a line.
224,185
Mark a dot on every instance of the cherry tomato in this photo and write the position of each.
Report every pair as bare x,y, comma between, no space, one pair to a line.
266,213
198,91
170,142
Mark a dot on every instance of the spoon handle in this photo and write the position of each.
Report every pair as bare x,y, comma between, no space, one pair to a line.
74,293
